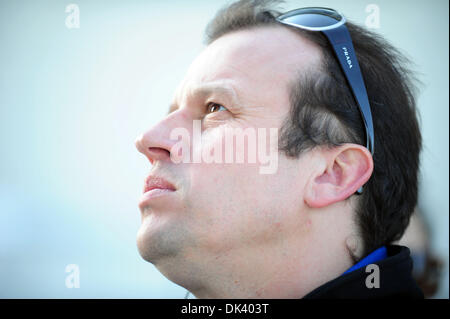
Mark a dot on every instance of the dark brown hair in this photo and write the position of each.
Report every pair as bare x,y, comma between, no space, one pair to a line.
324,112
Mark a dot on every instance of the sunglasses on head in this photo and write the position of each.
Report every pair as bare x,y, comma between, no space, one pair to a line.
332,24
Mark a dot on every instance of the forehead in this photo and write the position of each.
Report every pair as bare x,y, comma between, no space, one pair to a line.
257,63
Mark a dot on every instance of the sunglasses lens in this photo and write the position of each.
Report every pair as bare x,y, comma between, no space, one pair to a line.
312,17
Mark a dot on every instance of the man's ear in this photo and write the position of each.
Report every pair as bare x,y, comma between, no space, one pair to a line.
346,168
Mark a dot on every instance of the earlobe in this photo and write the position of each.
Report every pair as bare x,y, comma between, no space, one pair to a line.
348,167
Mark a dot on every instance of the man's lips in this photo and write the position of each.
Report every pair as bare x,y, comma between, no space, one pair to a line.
154,182
155,187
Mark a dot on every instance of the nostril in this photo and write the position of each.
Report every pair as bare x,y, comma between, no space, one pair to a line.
157,153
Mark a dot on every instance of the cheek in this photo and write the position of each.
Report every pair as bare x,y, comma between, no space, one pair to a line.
236,143
233,205
220,204
225,176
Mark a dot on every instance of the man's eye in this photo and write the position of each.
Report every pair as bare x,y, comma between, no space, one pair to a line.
214,107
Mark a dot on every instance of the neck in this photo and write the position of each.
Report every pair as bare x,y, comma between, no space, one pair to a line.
300,260
289,269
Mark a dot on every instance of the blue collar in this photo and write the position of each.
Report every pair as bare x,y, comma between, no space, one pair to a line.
373,257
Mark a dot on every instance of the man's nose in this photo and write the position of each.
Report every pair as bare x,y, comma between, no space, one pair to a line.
155,143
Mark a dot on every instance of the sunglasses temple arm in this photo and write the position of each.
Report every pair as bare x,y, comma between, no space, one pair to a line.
343,47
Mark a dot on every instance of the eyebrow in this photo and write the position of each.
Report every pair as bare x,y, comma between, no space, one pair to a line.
208,90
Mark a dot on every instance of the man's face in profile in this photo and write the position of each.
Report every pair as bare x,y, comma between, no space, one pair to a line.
221,213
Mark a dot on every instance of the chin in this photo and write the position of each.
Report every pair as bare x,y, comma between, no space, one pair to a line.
143,246
157,242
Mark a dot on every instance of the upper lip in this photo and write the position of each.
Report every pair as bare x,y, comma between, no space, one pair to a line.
152,182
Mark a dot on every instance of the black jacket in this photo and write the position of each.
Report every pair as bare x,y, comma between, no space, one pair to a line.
395,280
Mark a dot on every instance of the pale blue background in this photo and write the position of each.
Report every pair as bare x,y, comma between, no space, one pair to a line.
72,102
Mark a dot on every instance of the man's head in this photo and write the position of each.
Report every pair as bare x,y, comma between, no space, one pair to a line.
229,231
